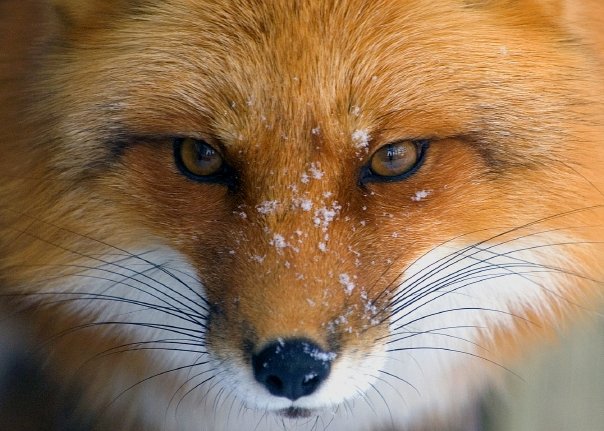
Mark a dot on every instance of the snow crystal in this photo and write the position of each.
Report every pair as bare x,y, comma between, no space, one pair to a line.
371,309
361,138
315,171
356,111
420,195
318,354
347,283
316,131
324,216
278,241
267,207
339,321
309,377
280,345
306,204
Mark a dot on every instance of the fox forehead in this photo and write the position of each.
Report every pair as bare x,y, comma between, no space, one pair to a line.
318,75
285,68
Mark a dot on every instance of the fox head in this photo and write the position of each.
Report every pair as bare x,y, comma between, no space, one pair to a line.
293,205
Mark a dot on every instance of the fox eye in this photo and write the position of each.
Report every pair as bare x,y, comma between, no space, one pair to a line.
395,161
197,159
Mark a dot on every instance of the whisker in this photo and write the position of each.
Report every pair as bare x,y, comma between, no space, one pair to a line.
451,310
162,327
193,389
126,346
363,395
140,382
185,383
169,306
445,349
450,279
400,379
479,275
460,255
438,265
171,311
411,334
133,255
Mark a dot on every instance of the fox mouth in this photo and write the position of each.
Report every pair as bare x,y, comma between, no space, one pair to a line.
295,412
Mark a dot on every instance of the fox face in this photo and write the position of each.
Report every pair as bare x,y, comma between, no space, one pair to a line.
300,209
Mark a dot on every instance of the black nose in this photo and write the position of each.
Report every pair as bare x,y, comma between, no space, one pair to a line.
292,368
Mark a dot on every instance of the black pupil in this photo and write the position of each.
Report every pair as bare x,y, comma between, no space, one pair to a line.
205,153
394,153
391,153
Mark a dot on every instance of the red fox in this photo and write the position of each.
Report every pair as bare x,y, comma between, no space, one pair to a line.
298,215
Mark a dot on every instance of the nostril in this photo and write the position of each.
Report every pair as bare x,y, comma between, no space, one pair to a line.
292,368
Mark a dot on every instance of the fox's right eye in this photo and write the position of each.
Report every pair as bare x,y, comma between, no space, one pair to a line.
198,160
395,161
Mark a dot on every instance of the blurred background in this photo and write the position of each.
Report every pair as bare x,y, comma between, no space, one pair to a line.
563,387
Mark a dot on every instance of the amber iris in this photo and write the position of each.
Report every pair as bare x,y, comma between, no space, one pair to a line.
198,158
395,159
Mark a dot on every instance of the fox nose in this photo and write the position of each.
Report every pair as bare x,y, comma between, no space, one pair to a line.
292,368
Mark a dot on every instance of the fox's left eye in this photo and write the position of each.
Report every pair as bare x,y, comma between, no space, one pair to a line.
197,159
395,161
